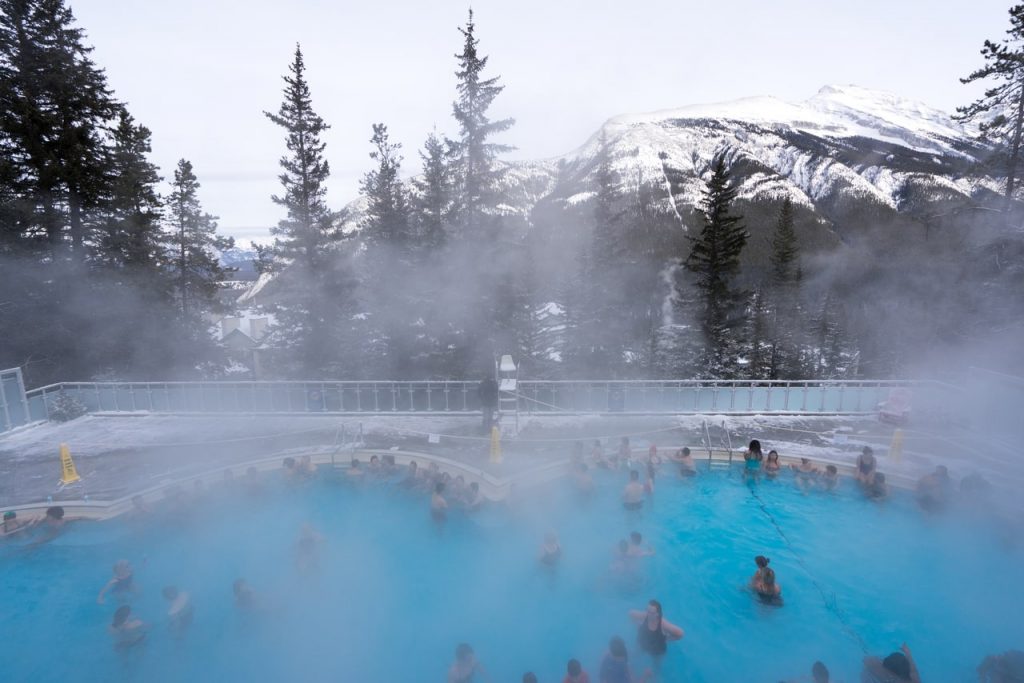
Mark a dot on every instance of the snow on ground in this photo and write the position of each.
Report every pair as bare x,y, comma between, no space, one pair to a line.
118,455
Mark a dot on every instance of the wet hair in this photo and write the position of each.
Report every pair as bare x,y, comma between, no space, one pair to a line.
805,461
819,673
289,463
831,469
121,616
761,561
634,475
463,652
355,463
439,487
867,451
656,605
529,677
755,446
574,668
897,663
169,592
618,647
774,453
635,536
373,458
55,512
686,450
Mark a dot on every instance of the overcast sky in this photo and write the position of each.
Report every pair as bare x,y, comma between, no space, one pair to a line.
199,73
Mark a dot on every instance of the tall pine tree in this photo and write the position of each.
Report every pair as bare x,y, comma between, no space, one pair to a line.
314,286
387,209
432,203
477,174
1000,111
195,244
715,261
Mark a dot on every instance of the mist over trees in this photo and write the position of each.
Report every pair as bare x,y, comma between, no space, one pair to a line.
437,270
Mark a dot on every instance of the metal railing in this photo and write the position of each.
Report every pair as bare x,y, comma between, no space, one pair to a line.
424,397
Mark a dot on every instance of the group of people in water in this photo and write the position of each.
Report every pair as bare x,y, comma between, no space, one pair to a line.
653,630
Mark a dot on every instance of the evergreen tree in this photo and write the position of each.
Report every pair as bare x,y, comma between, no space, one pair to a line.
55,107
1000,111
785,251
314,286
477,172
387,210
131,237
715,261
195,243
432,203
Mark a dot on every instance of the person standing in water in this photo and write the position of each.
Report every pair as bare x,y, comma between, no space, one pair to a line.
438,505
615,665
653,630
752,458
121,584
633,493
687,468
866,466
899,667
126,629
179,614
466,667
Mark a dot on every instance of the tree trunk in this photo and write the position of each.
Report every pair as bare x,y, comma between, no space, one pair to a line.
75,219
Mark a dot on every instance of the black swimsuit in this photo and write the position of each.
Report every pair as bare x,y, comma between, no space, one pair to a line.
652,642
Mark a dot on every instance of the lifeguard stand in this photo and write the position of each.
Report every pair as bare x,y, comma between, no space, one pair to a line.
508,396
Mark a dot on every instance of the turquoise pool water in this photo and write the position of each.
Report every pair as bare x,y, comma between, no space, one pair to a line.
391,595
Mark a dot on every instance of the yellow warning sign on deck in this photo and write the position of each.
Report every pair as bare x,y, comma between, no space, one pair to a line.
68,474
896,447
495,444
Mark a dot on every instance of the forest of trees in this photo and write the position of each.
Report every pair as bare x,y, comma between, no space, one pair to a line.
102,276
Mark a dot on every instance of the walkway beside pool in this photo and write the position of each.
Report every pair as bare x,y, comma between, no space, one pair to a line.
118,455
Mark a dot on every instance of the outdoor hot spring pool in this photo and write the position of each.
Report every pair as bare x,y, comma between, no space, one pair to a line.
392,595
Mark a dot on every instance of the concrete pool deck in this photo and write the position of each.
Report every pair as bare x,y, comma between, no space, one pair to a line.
117,456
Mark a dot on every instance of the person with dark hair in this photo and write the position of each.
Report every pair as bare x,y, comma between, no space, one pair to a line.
819,673
179,614
411,476
529,677
771,465
355,470
125,629
653,630
687,468
438,505
633,493
899,667
762,563
1005,668
830,480
752,458
877,489
290,470
575,673
934,490
465,667
615,665
637,547
488,393
767,589
866,466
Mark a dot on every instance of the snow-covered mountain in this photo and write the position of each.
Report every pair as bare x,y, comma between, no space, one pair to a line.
845,141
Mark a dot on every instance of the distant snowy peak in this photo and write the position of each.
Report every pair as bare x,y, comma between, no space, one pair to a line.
835,111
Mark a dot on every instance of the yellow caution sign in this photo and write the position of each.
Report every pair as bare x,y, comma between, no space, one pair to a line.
68,474
896,447
495,444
